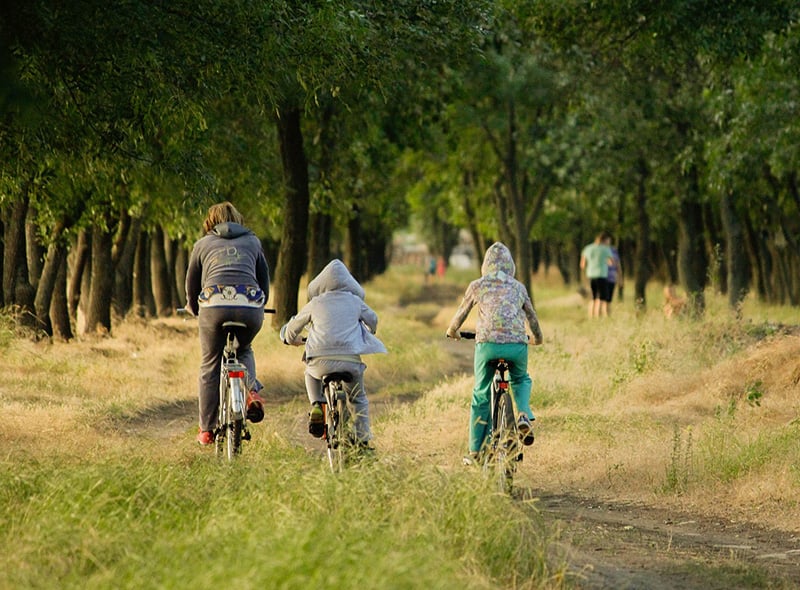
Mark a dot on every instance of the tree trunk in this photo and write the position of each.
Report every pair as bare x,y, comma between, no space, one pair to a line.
321,222
521,246
319,242
292,253
759,256
56,253
738,271
98,311
59,304
81,255
124,254
174,252
159,274
642,268
352,245
181,263
16,286
143,305
692,256
35,253
713,234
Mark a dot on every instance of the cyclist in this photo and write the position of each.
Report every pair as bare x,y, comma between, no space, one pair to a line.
227,279
503,304
341,327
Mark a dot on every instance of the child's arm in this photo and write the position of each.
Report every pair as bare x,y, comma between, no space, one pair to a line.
369,317
291,331
461,314
533,320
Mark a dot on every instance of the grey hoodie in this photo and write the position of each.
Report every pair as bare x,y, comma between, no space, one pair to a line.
339,322
230,254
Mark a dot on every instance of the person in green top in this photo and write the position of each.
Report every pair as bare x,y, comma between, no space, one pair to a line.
595,260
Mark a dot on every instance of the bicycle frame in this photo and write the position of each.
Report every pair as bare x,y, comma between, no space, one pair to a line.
502,448
337,419
231,423
231,427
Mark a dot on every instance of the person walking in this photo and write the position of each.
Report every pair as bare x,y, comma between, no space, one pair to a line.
595,260
615,277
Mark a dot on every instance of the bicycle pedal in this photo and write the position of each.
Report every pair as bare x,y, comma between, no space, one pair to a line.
246,435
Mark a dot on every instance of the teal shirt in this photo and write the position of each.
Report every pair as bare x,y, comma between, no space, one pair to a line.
597,256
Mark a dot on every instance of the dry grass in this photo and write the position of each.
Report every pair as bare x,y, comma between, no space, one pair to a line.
700,416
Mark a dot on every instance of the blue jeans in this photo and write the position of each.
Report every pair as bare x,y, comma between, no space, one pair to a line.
516,354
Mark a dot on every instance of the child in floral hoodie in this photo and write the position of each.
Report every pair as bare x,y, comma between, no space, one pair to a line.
503,304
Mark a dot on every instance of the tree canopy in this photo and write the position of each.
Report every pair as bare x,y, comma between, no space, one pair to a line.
333,124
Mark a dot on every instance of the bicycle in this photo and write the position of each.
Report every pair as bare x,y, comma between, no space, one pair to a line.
502,450
231,428
337,433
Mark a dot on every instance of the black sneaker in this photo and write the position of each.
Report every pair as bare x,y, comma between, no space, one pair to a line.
255,407
316,421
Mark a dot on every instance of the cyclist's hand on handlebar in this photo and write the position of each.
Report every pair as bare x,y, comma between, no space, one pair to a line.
453,334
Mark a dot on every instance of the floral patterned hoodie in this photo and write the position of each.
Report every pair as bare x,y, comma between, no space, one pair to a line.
503,302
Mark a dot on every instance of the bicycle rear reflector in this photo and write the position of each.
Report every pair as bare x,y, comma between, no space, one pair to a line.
236,374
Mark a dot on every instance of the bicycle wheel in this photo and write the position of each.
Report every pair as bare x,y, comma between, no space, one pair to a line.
335,420
235,424
220,432
505,443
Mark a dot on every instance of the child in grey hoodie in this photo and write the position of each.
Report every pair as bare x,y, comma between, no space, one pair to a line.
341,327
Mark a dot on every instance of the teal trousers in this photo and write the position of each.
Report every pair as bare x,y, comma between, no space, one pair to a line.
516,354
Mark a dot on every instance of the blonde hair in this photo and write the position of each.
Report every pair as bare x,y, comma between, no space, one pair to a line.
220,213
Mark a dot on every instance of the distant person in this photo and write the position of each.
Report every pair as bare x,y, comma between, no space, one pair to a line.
341,328
227,279
615,276
595,260
430,273
503,304
441,267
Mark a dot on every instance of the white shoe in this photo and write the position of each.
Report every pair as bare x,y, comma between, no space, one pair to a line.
525,429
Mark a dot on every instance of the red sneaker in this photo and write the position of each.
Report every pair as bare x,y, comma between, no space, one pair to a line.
255,407
205,437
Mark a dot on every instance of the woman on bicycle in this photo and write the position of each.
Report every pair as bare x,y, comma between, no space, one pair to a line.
341,327
503,304
227,280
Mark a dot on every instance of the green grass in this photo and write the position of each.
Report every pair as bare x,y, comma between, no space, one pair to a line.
276,519
97,505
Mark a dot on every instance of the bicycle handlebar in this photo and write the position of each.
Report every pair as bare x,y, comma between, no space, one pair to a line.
468,335
183,311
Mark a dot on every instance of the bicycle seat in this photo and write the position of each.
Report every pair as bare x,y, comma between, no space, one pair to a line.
493,363
346,377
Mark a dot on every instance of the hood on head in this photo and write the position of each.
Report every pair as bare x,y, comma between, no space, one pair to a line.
498,259
229,229
334,277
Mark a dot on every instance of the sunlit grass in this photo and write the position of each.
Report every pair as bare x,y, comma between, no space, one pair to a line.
101,483
134,521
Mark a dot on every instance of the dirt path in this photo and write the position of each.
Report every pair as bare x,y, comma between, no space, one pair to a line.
608,544
625,546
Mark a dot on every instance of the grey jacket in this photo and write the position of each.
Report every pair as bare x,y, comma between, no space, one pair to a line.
230,254
339,321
